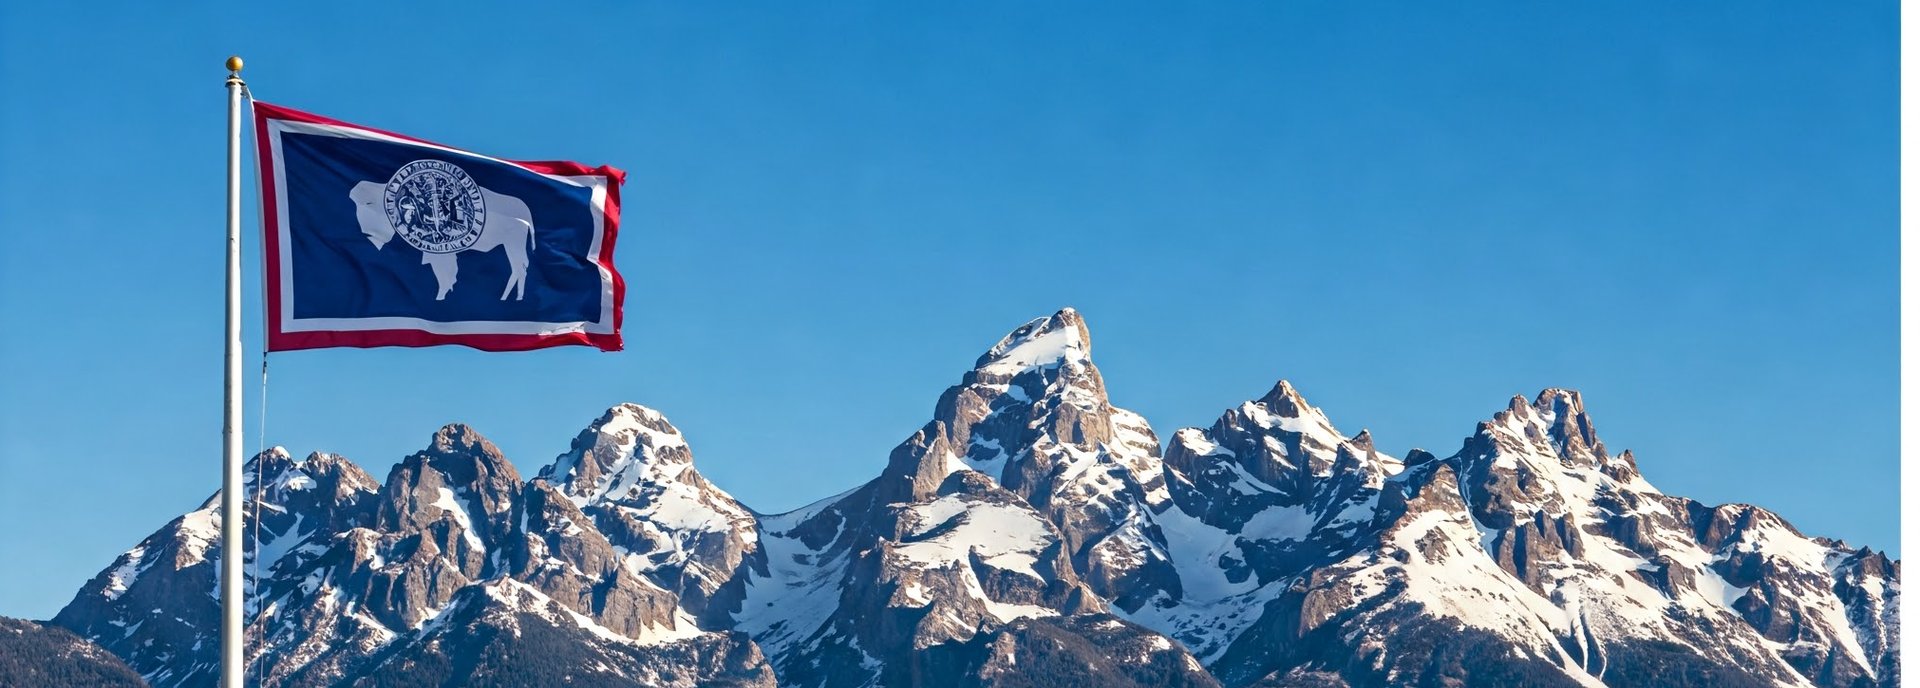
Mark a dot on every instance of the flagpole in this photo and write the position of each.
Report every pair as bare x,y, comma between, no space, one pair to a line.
233,549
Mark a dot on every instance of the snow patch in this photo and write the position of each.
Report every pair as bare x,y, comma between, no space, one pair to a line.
1279,523
124,575
453,505
1003,535
1025,350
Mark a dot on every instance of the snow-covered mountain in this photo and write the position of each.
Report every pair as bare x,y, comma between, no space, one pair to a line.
453,568
1031,533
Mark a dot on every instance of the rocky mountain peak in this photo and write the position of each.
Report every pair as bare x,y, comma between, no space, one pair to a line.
628,445
1283,408
1537,456
272,467
1284,446
281,474
273,460
467,458
1034,394
1568,423
633,474
320,478
458,493
1034,417
337,477
291,499
1416,457
1285,401
1554,425
1046,342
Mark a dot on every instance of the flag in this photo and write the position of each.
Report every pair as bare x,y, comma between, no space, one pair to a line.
379,239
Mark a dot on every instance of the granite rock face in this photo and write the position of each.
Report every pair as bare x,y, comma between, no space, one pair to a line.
1030,533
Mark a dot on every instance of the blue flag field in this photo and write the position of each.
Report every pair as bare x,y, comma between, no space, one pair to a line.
379,239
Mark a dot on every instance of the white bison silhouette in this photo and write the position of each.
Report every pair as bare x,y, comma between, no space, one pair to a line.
508,223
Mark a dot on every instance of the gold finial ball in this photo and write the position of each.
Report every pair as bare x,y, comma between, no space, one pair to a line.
234,64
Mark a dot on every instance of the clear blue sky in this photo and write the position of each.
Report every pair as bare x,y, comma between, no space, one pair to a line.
1686,210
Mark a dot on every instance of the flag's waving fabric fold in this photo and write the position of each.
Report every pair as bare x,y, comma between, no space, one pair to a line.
379,239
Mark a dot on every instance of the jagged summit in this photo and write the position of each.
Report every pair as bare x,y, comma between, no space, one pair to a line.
460,456
1284,408
288,489
1037,387
1555,423
1041,343
627,437
1568,421
1285,400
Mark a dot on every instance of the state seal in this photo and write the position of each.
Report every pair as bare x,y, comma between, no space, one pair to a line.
435,206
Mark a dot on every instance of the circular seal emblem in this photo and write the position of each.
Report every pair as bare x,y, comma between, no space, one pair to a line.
435,206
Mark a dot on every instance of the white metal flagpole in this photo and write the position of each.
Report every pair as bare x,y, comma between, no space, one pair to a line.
233,549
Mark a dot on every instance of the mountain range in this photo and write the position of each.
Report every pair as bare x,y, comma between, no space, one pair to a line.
1031,533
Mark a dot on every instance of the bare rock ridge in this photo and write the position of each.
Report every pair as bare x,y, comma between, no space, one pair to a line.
1030,533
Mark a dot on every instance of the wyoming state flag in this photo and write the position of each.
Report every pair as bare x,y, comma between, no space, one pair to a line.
378,239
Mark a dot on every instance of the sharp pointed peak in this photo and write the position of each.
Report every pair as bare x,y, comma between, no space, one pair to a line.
1042,342
626,435
1548,403
1557,414
1066,316
1569,422
1283,387
462,443
1284,399
281,474
268,465
1364,439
